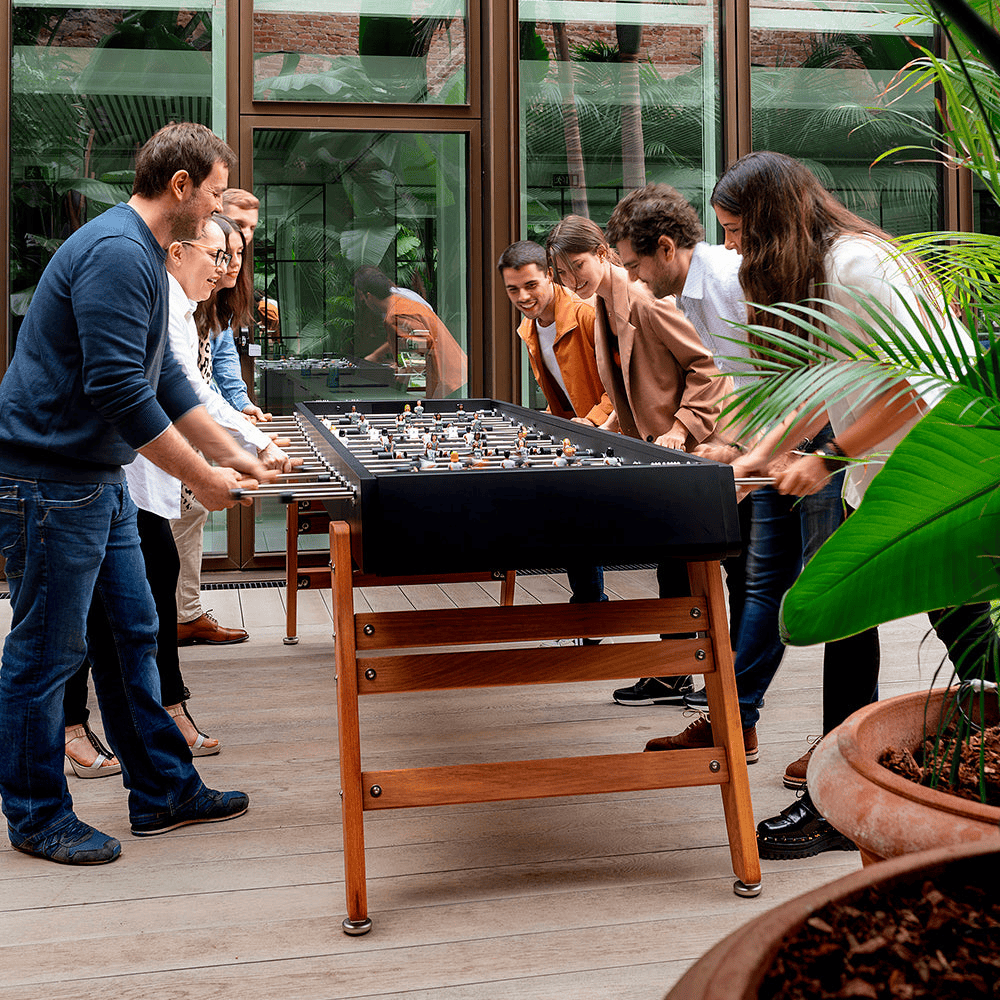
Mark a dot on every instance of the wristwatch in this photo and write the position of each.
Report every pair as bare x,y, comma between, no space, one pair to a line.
833,456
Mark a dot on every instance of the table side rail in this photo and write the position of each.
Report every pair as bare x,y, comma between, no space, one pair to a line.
441,671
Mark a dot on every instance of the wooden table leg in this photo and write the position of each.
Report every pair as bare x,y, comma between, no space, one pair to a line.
727,731
507,587
291,573
348,723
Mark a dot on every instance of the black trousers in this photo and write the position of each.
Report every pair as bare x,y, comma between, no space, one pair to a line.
162,568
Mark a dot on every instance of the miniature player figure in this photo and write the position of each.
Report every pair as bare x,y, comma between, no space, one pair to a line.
354,416
477,421
468,437
451,432
453,461
418,410
610,458
411,433
363,422
507,462
437,422
427,461
460,408
373,433
407,413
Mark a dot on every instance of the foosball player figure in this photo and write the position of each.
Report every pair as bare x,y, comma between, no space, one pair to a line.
418,410
610,458
354,416
363,423
460,408
407,413
451,432
507,462
454,461
411,433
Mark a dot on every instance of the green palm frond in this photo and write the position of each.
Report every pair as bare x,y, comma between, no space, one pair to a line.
836,352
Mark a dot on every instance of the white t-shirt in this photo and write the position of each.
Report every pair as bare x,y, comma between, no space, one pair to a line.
865,264
546,344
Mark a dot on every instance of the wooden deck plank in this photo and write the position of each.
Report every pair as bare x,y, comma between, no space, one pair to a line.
587,897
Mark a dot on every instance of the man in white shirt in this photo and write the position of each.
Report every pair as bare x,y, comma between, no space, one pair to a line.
705,282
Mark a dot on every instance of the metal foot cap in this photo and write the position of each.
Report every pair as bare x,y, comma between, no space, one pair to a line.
357,927
291,640
747,891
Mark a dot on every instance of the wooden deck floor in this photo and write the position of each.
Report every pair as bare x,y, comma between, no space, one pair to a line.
596,897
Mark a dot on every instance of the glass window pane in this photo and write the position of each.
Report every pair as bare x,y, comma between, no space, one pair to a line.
362,253
360,51
818,69
88,87
613,95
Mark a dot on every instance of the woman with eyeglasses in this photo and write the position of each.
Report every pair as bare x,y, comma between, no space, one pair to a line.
194,270
660,377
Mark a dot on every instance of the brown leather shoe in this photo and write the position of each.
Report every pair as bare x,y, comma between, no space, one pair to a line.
795,773
206,629
699,735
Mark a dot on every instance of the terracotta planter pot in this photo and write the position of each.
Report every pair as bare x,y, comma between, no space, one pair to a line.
885,814
736,966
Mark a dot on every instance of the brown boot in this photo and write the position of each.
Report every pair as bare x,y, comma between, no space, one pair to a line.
206,629
699,736
795,773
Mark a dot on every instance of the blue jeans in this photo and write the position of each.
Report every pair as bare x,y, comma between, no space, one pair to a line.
586,584
68,545
785,533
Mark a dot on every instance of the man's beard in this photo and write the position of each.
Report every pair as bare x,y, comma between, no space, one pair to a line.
184,224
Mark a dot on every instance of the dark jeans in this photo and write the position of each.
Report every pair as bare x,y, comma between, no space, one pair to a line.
586,584
71,546
785,533
159,555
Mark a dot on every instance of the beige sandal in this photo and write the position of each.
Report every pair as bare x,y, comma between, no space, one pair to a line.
105,763
200,744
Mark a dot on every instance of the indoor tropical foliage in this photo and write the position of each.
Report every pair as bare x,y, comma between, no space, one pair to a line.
928,534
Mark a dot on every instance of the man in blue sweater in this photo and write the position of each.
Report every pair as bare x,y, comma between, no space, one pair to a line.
92,383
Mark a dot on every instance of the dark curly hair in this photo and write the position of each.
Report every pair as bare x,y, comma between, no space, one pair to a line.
656,210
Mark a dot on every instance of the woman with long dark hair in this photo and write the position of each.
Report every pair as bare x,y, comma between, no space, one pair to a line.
799,242
660,377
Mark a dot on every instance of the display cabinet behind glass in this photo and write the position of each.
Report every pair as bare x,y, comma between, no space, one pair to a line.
820,80
369,52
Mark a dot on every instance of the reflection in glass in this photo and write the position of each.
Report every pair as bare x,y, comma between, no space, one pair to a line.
614,95
818,71
375,51
362,250
88,87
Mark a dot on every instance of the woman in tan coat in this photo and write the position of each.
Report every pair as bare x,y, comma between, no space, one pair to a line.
660,377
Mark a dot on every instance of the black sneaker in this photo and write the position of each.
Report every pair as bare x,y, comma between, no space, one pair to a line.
206,807
799,831
655,691
77,843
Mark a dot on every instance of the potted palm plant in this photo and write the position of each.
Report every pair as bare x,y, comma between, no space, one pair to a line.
930,522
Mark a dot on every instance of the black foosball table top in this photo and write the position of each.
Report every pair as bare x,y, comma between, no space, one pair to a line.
463,485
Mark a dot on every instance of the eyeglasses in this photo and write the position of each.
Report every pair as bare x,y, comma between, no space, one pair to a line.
221,258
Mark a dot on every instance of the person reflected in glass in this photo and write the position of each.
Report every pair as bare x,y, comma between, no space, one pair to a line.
412,325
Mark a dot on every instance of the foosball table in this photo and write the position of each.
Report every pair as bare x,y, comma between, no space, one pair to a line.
475,489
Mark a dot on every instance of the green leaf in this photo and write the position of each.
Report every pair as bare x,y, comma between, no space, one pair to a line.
926,536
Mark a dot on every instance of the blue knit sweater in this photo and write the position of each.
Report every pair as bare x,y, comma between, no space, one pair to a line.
92,378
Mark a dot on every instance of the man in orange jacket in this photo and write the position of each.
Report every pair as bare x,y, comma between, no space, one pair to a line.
558,331
409,319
